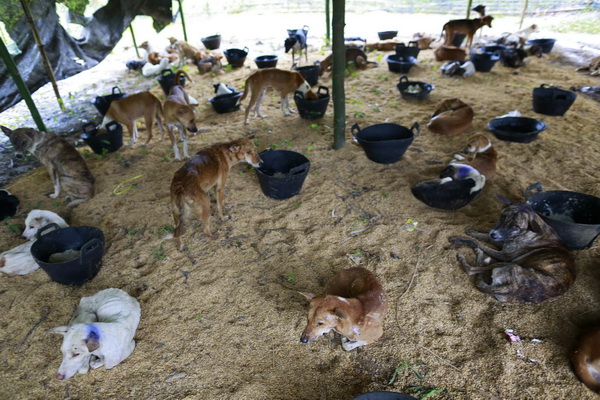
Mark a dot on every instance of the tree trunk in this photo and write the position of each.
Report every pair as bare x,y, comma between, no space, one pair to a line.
339,68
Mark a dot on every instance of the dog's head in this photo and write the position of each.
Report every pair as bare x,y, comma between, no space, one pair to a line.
186,115
289,43
145,45
172,40
477,144
22,139
324,315
303,85
515,220
37,219
244,150
79,342
487,20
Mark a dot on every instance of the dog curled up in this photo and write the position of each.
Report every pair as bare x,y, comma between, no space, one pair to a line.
206,169
451,117
586,359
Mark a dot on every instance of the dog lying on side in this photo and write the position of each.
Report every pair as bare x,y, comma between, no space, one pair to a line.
451,117
207,169
65,165
131,108
518,38
18,260
353,55
210,63
285,82
532,265
296,42
449,53
149,69
179,112
458,68
593,68
464,26
519,56
586,359
481,155
354,305
100,333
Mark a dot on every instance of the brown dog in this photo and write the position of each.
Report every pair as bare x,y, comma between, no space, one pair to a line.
481,155
586,359
465,26
65,165
131,108
180,113
354,305
207,169
451,117
184,49
357,56
285,82
533,264
449,53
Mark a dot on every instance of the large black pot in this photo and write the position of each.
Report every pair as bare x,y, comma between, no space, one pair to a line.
87,240
545,44
236,57
549,100
574,216
9,204
484,62
382,395
103,143
312,109
102,103
413,90
282,173
385,35
385,143
212,42
412,50
269,61
167,80
401,64
310,73
226,103
458,39
516,129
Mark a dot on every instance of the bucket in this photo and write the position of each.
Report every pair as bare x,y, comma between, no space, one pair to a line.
87,240
103,143
167,80
549,100
516,129
102,103
545,44
282,173
412,50
382,395
236,57
211,42
9,204
401,64
497,48
413,90
484,62
385,143
312,109
458,39
226,103
310,73
574,216
385,35
269,61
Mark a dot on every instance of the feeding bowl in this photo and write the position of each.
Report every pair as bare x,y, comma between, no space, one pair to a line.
382,395
9,204
385,143
102,103
310,73
412,50
451,195
268,61
282,173
550,100
103,143
387,35
484,62
413,90
401,64
212,42
545,44
516,129
167,80
236,57
458,39
226,103
312,109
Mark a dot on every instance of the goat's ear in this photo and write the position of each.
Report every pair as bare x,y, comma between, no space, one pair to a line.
61,330
503,200
339,313
309,296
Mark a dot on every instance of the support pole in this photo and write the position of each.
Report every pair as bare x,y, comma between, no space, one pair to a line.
23,90
43,54
469,8
328,22
182,21
137,52
339,68
525,4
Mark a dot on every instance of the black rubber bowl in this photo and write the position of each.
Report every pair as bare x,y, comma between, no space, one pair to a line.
310,73
212,42
549,100
387,35
385,143
167,80
412,50
236,57
9,204
545,44
413,90
516,129
102,103
282,173
226,103
446,196
312,109
269,61
108,142
484,62
381,395
458,39
400,64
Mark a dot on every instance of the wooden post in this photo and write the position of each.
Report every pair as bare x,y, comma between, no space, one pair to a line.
525,3
137,52
469,8
23,90
339,68
47,64
327,22
182,21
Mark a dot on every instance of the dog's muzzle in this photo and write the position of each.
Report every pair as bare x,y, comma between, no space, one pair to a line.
304,339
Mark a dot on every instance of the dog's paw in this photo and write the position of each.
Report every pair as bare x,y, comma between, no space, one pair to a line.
457,241
53,195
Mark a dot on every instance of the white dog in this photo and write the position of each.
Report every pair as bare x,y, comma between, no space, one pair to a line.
100,333
19,261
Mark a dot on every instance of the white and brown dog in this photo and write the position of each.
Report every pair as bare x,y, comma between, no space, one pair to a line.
100,333
180,112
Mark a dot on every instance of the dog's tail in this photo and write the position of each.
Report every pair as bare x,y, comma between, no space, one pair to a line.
178,76
180,213
246,90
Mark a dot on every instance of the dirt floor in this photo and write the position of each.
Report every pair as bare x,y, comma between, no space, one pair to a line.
223,318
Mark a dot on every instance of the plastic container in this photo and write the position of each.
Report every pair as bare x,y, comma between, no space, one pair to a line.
282,173
545,44
516,129
484,62
226,103
412,50
385,35
212,42
310,73
549,100
103,143
381,395
236,57
458,39
413,90
401,64
312,109
269,61
167,80
385,143
102,103
8,204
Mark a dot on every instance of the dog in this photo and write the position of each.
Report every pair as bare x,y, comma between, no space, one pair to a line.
296,41
593,68
586,359
100,332
150,70
451,117
131,108
423,40
480,9
207,169
465,26
481,155
517,38
210,63
354,305
449,53
382,45
532,265
353,55
65,165
184,49
516,57
221,89
458,68
18,260
179,112
154,56
285,82
9,204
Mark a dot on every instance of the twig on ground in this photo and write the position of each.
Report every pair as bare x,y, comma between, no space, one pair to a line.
42,319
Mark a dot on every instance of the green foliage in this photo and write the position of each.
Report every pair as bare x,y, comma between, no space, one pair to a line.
77,6
10,13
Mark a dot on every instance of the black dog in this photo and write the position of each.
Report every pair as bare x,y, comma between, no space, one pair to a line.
297,42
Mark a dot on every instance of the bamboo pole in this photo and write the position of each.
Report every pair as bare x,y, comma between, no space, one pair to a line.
137,52
43,54
469,8
182,21
339,68
328,22
23,90
525,4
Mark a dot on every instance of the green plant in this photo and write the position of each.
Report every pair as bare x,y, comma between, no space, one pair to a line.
14,228
159,253
291,277
424,392
359,114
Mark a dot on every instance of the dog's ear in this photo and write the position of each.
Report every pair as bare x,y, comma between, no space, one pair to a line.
536,222
234,148
61,330
92,341
339,313
6,131
309,296
503,200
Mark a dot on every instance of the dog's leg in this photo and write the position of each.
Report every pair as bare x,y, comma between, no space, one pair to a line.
174,141
149,119
219,191
161,127
184,139
477,235
258,103
56,180
132,128
201,208
348,344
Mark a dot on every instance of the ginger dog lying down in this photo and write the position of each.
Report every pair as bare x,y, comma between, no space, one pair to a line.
354,305
206,169
586,359
100,333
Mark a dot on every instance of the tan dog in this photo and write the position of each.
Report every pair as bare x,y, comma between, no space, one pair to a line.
207,169
382,45
357,56
180,113
65,165
451,117
586,359
131,108
354,306
285,82
449,53
593,68
184,49
481,155
464,26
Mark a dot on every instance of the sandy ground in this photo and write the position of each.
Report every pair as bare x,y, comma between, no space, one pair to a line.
223,318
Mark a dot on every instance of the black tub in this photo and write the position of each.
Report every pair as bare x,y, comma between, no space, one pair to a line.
282,173
484,62
9,204
226,103
103,143
385,35
412,50
549,100
86,240
382,395
385,143
401,64
574,216
545,44
167,80
212,42
102,103
458,39
516,129
312,109
413,90
497,48
236,57
310,73
269,61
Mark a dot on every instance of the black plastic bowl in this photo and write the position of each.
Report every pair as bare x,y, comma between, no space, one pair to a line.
282,173
103,143
484,62
545,44
498,48
400,64
236,57
310,73
269,61
458,39
226,103
412,50
516,129
89,241
102,103
385,143
387,35
550,100
574,216
408,89
312,109
212,42
381,395
167,80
